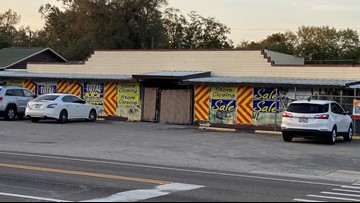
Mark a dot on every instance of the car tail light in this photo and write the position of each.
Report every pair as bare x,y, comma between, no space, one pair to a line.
287,115
323,116
1,99
51,106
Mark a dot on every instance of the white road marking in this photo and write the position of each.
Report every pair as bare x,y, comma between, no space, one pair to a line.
32,197
144,194
337,198
306,200
350,187
172,169
342,190
340,194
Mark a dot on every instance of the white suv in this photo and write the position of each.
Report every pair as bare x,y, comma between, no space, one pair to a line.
13,101
316,118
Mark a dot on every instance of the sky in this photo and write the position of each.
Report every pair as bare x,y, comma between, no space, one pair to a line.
249,20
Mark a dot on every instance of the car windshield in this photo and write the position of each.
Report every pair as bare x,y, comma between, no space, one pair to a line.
46,98
308,108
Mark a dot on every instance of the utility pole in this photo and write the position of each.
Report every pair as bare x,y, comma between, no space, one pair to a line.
30,36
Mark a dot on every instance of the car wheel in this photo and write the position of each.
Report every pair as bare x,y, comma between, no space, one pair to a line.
92,116
34,120
287,137
10,113
349,135
63,117
332,137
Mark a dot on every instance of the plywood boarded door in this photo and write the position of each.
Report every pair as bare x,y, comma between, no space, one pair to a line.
149,105
175,107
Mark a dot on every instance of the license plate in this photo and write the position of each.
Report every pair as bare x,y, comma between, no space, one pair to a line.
303,120
37,106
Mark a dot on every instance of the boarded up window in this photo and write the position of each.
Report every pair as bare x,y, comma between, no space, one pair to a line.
149,108
176,107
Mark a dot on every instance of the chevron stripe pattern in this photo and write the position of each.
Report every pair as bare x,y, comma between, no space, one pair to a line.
202,102
62,86
110,98
245,105
30,85
74,88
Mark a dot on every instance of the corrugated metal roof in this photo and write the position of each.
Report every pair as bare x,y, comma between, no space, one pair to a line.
24,74
357,86
14,55
271,81
181,75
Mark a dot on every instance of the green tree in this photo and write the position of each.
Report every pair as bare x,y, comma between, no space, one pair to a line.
327,45
84,25
318,45
175,24
195,32
280,42
206,33
8,21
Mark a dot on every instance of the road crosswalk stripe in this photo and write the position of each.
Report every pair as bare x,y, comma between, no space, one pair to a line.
140,195
344,190
340,194
306,200
32,197
336,198
350,187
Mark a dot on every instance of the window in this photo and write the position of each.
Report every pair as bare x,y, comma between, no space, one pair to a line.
308,108
18,93
77,100
9,93
67,99
27,93
46,98
336,108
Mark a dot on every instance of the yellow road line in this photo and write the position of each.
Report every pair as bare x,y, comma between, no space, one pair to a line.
97,175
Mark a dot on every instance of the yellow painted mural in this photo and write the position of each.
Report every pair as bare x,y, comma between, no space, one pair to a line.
245,105
202,102
128,100
17,83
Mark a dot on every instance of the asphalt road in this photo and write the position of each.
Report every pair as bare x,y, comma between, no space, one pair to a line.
29,177
119,161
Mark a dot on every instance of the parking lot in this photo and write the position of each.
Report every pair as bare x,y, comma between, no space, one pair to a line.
180,146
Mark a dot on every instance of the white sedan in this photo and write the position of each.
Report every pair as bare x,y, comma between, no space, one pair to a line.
61,107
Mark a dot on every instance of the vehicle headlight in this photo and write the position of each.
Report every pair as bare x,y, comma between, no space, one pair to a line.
51,106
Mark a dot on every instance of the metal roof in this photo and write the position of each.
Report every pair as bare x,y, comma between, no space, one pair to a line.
15,55
271,81
356,86
180,75
24,74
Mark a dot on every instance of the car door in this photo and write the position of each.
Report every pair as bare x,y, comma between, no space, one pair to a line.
69,106
339,117
21,100
28,95
81,109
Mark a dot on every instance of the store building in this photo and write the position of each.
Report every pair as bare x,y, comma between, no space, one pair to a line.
235,88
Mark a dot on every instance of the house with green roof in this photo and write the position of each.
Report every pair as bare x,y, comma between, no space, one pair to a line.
18,57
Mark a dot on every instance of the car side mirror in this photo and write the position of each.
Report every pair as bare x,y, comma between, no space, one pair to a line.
347,113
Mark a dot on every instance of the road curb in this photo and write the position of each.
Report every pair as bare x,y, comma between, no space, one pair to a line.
267,132
217,129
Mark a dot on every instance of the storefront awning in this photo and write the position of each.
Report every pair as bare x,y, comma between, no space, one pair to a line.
68,76
271,81
173,75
